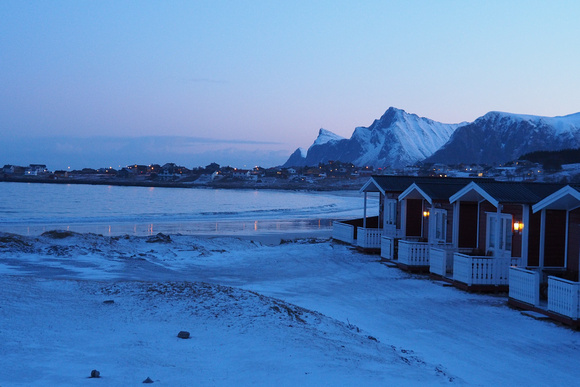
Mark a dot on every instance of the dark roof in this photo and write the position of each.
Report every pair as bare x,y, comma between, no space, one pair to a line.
439,191
401,183
518,192
442,188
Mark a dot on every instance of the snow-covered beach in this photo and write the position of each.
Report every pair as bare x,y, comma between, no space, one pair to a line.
302,312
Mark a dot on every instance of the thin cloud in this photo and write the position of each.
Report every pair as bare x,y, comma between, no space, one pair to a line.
157,139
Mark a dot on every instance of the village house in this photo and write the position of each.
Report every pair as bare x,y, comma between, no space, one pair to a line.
245,174
13,170
36,169
60,174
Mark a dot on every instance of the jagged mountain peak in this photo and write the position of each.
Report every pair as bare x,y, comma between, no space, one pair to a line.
391,115
396,139
325,136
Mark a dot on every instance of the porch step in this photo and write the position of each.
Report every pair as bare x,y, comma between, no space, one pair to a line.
535,315
443,283
389,264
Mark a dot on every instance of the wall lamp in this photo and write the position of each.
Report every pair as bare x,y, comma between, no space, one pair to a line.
518,226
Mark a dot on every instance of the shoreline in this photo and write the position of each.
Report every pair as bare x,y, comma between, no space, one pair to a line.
258,230
322,185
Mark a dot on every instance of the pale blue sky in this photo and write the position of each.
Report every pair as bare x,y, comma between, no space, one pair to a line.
275,72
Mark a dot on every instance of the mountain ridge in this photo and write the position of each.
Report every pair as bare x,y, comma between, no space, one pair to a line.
399,138
391,139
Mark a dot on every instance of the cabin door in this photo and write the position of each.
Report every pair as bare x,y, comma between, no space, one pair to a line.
498,236
438,226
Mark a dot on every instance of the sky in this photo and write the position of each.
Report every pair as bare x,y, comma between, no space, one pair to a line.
86,83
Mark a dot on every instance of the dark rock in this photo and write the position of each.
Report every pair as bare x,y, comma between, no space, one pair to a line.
95,374
159,238
183,335
148,380
58,234
109,302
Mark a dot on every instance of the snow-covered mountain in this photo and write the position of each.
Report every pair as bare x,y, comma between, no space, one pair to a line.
500,137
396,139
325,136
297,158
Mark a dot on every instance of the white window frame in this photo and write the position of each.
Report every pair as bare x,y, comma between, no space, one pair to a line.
505,237
438,226
390,212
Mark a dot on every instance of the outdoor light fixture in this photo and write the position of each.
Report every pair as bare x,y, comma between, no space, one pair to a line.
518,226
425,214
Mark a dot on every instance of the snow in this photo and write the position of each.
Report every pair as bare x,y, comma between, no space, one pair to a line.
302,312
561,124
399,138
325,136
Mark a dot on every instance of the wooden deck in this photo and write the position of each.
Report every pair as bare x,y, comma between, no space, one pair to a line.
542,309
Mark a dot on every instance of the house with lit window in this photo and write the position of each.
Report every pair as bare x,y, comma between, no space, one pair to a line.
378,233
481,235
366,232
425,223
549,282
494,228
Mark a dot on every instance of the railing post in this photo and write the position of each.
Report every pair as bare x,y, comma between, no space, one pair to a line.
575,302
536,288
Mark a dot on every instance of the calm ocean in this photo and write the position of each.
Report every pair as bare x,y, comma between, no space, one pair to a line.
30,209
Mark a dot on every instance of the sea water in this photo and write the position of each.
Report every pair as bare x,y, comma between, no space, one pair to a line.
32,208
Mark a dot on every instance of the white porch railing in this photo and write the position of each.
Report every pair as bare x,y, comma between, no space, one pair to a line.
563,297
482,270
524,285
343,232
413,253
369,238
387,247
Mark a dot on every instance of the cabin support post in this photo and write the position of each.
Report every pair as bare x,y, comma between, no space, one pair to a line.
422,220
365,212
542,237
496,253
455,230
404,218
566,243
525,232
385,214
477,225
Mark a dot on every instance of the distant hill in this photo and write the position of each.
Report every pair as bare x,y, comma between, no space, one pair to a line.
553,160
500,137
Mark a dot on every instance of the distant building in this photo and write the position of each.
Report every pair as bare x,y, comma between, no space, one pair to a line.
36,169
13,169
